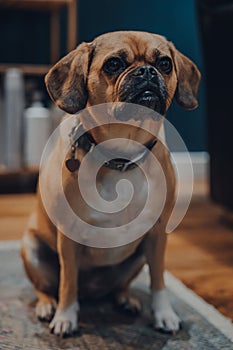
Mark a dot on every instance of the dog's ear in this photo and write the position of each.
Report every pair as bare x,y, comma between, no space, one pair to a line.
188,79
66,80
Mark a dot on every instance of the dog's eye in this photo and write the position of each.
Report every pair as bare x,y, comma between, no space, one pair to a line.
164,64
114,65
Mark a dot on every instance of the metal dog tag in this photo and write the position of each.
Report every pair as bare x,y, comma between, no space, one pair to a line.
72,164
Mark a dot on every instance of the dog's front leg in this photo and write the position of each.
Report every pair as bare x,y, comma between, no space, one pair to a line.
65,321
165,318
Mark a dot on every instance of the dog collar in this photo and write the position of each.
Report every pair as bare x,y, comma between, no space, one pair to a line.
79,138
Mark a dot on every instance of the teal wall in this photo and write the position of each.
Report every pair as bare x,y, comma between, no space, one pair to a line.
26,39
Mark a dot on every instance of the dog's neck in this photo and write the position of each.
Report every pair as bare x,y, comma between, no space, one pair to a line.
79,138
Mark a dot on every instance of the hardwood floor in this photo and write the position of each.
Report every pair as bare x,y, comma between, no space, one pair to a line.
14,211
200,254
200,251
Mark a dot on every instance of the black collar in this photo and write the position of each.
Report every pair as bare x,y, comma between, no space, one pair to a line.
81,139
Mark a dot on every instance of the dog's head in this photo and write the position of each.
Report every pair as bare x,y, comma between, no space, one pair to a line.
135,67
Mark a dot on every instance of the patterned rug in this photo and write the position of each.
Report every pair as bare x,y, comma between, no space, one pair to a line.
101,325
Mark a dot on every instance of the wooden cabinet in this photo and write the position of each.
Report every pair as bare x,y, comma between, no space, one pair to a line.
216,20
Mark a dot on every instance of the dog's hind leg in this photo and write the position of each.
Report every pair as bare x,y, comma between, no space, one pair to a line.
42,267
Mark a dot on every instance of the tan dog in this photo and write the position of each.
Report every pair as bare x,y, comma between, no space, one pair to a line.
135,67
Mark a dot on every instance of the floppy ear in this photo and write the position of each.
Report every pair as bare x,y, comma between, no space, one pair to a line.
188,79
66,80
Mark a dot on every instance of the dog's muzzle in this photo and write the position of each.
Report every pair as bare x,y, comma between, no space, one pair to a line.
144,86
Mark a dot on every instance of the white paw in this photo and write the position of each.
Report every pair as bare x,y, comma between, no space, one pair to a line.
165,319
45,309
65,322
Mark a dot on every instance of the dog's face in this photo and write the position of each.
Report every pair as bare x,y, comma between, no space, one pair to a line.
135,67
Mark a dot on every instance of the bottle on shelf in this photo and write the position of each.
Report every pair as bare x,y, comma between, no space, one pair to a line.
13,118
37,128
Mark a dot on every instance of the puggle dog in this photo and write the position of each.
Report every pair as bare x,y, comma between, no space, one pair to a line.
131,67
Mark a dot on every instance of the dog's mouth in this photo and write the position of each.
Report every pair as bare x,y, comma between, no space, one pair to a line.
152,94
148,98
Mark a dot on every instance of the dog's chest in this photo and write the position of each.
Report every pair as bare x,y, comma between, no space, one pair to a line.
118,198
121,200
116,210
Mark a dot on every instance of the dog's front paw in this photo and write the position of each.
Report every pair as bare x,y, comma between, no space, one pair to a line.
65,321
165,319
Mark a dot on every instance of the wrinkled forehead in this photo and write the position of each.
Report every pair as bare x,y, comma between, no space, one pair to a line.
134,45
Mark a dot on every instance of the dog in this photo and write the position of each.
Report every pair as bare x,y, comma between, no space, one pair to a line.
119,67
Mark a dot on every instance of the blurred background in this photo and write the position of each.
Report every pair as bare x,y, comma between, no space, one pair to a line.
35,34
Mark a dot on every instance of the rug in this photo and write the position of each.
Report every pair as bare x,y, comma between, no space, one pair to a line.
102,327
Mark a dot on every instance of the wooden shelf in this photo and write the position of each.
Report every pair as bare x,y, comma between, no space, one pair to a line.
44,5
23,181
27,69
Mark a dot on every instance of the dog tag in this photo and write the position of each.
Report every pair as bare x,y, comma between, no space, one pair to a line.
72,164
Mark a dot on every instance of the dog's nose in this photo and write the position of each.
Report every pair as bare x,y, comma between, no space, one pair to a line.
145,72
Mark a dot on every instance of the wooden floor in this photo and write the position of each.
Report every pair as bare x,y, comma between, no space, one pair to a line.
200,251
